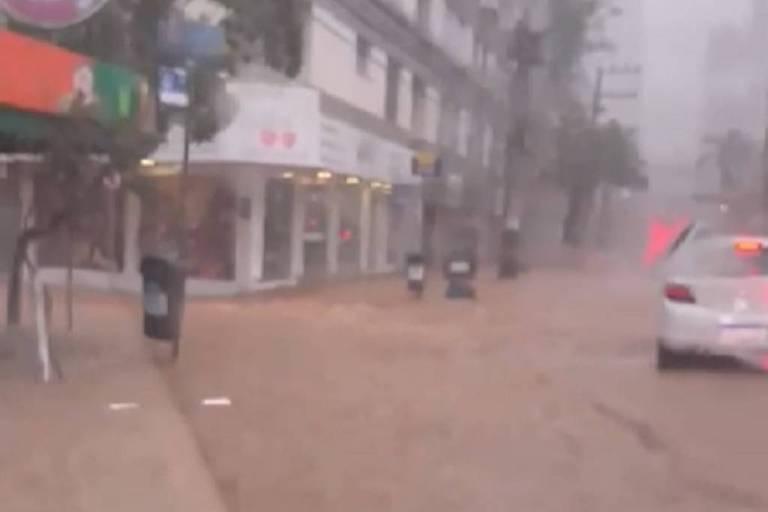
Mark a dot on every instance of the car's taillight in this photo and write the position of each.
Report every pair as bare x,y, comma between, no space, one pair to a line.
679,293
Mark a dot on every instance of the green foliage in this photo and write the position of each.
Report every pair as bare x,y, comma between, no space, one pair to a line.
619,156
734,153
590,155
568,35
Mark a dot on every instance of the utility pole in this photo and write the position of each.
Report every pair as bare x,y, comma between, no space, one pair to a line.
525,55
597,96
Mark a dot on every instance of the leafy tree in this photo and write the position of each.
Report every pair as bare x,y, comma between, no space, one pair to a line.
734,153
567,36
619,157
128,33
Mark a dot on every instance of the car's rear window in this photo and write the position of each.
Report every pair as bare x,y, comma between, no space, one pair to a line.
726,261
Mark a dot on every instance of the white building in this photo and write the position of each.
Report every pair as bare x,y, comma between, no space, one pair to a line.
313,178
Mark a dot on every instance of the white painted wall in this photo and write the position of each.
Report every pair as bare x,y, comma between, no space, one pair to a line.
405,100
297,235
332,64
432,116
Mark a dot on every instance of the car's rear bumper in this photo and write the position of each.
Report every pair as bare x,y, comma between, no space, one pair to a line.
715,356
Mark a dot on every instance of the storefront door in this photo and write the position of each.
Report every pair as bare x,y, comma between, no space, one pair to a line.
277,229
316,233
375,237
349,235
10,214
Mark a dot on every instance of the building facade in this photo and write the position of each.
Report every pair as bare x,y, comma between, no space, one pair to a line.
316,178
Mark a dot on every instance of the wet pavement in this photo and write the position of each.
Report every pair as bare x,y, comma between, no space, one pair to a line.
539,396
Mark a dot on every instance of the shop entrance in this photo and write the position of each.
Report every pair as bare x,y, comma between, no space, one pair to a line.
10,219
316,233
277,229
349,235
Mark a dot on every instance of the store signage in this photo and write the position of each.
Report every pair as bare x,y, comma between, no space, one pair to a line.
272,125
338,150
50,80
349,150
51,14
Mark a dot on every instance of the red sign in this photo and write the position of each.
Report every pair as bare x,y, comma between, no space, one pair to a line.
51,14
661,235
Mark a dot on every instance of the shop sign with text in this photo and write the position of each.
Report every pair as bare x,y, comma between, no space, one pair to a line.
51,80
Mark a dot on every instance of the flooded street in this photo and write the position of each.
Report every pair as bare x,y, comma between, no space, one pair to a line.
542,394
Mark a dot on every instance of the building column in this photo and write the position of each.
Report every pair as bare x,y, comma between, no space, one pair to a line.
333,226
256,227
131,246
365,230
297,239
384,232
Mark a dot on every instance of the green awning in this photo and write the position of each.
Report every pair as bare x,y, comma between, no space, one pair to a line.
23,126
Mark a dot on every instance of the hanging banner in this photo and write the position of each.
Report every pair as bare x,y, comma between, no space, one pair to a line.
51,14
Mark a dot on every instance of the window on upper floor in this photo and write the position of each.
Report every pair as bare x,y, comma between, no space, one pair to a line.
363,56
424,14
465,123
419,111
479,55
487,145
448,128
391,101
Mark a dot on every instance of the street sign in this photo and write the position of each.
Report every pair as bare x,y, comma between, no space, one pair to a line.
426,163
174,87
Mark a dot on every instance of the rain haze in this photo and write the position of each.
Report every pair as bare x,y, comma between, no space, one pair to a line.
383,255
676,36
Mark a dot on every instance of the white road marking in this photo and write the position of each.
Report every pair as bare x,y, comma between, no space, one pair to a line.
217,402
123,406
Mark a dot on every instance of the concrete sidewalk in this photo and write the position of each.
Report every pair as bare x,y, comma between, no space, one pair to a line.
61,445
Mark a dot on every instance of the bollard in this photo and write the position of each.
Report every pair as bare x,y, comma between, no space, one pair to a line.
460,269
163,284
415,268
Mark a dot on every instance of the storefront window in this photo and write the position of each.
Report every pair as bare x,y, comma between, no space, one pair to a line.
277,229
93,240
10,217
315,232
209,225
349,229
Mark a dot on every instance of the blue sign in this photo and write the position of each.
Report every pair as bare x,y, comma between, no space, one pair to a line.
173,85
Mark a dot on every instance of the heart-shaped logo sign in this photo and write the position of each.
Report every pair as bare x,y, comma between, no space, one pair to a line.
289,139
268,138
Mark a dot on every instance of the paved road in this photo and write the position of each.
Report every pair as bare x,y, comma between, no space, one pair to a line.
541,396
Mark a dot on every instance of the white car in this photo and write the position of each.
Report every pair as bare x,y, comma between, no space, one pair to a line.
715,302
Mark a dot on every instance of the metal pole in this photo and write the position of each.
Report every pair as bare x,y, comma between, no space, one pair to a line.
597,98
517,133
602,207
184,179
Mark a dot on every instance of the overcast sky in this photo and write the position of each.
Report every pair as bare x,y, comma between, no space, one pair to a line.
676,32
